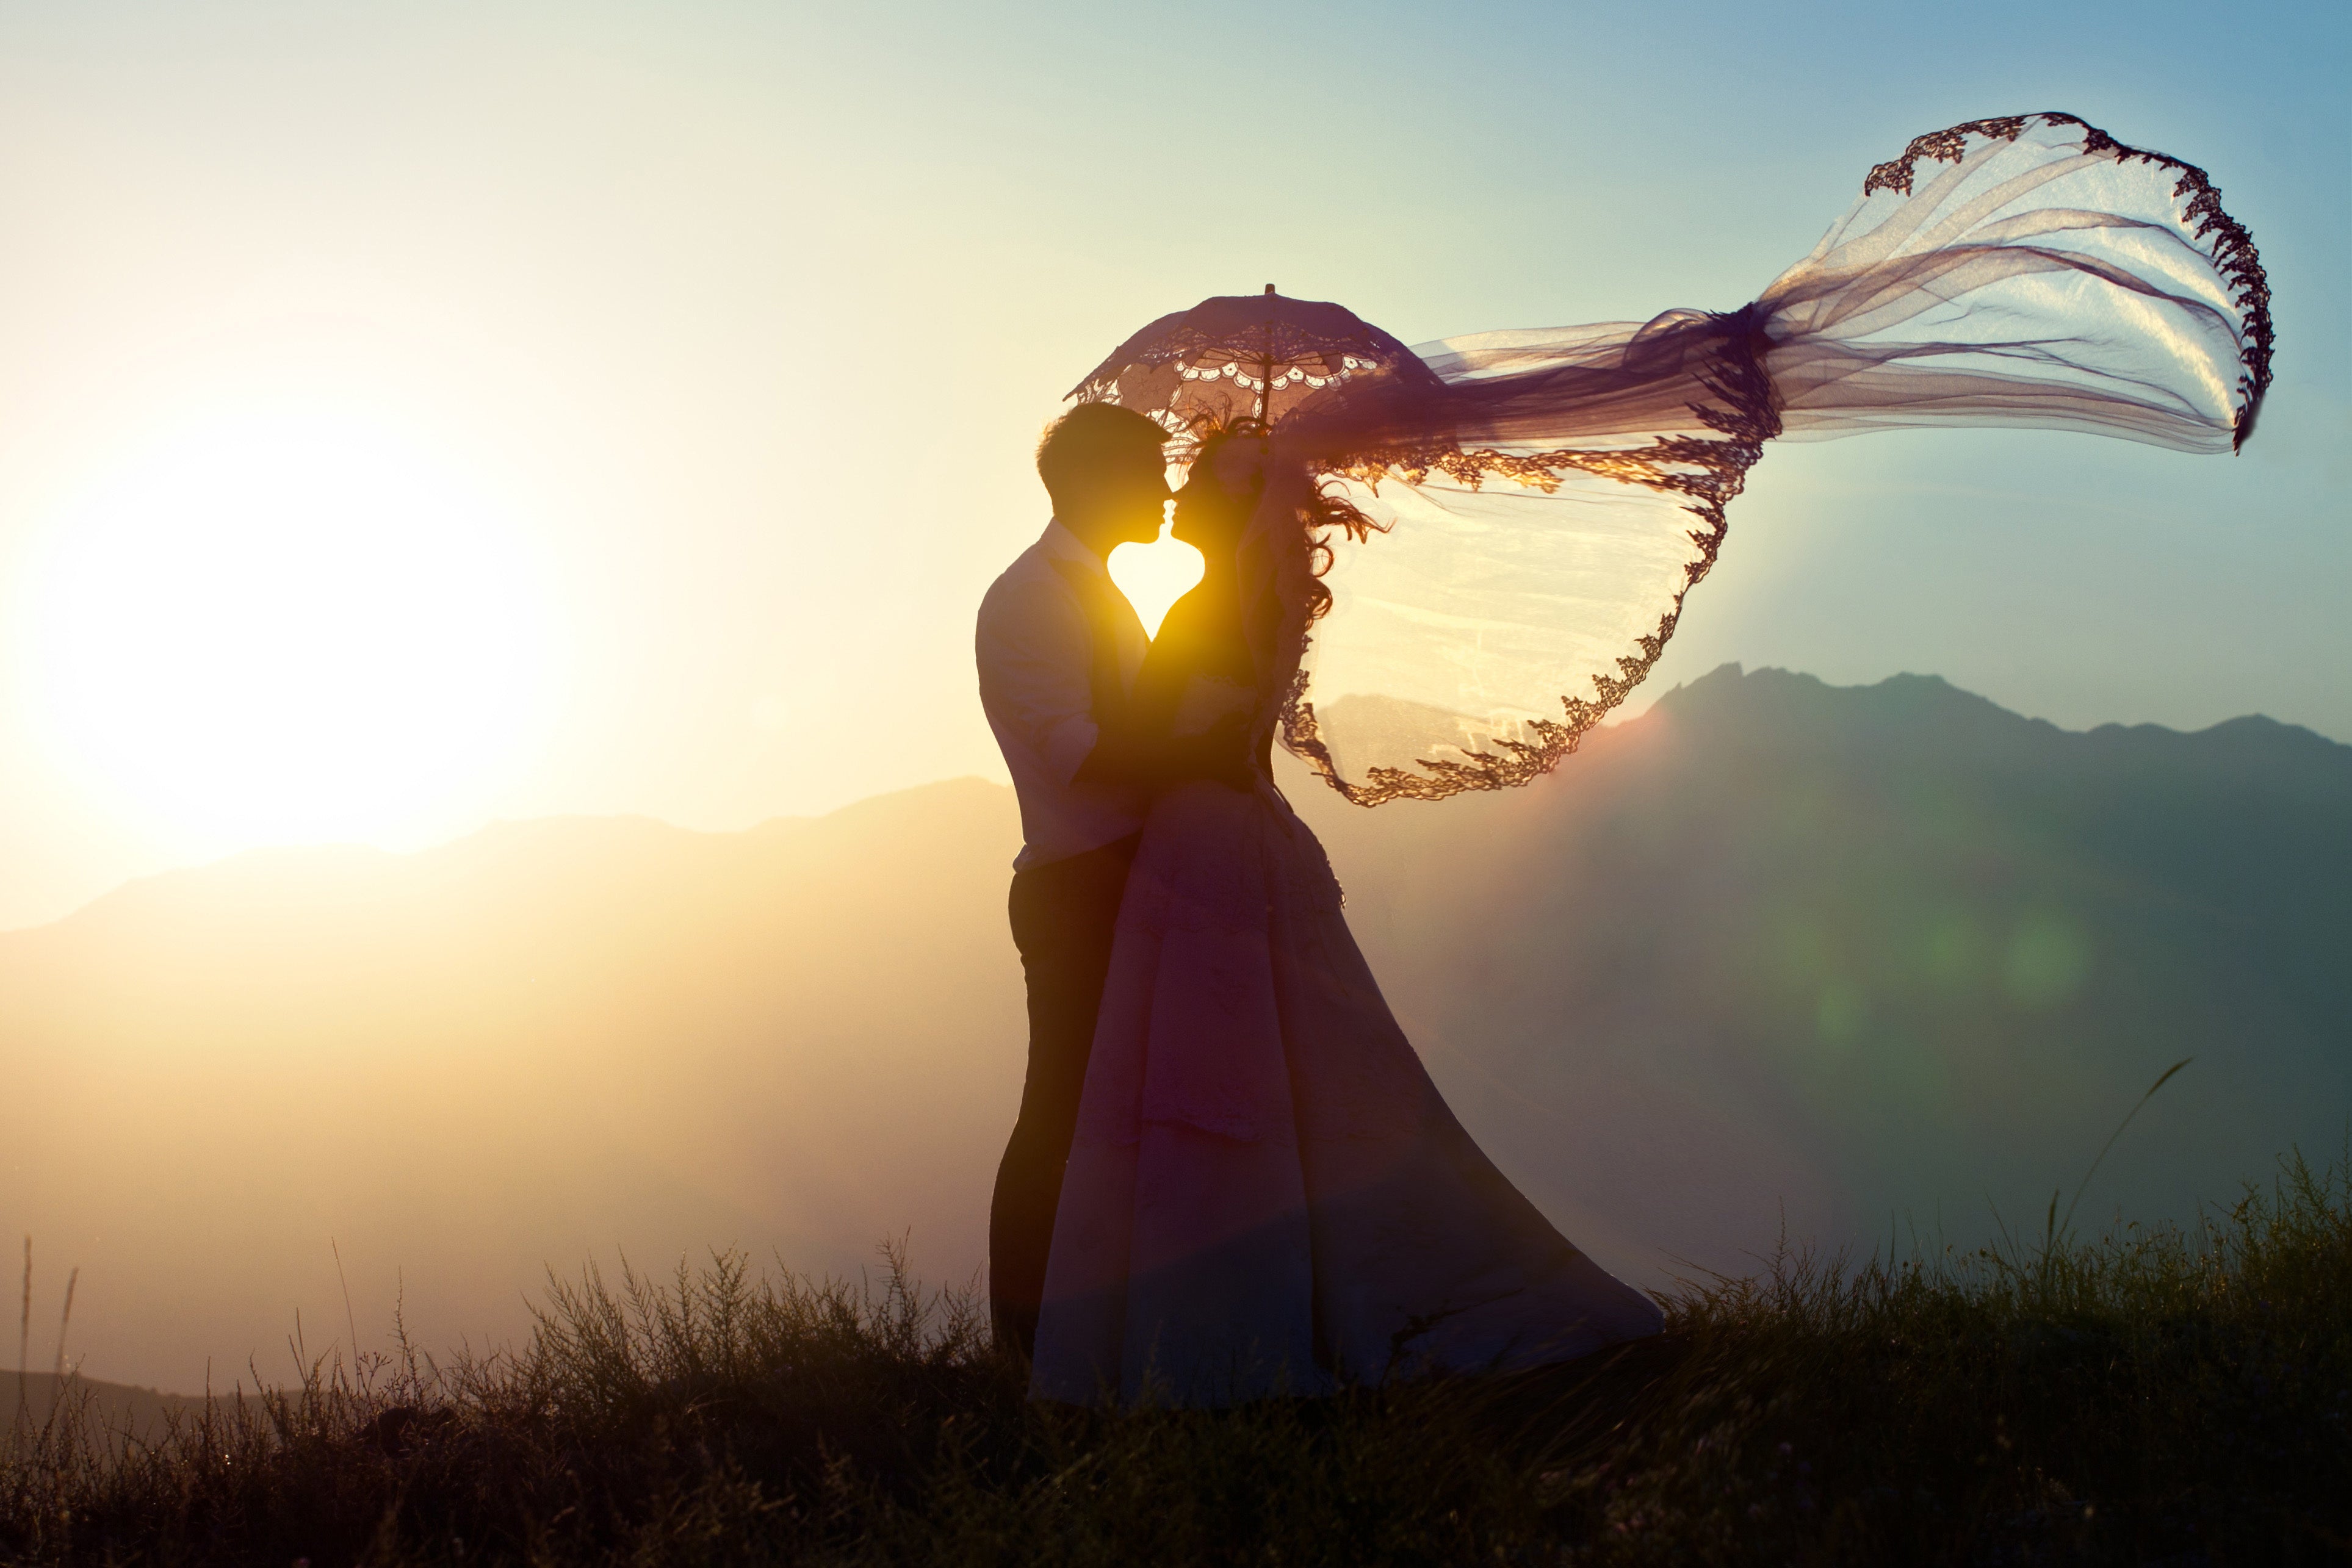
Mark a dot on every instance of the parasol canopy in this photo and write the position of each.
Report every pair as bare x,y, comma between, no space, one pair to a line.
1244,356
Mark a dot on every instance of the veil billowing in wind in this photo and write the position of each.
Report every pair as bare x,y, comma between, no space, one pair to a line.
1541,500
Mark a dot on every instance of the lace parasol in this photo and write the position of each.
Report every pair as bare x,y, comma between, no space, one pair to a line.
1259,355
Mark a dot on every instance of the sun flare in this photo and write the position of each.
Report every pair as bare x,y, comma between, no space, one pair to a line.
1155,576
283,625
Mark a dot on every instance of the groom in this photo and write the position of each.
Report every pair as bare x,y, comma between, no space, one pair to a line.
1059,646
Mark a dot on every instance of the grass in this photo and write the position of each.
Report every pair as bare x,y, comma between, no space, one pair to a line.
2154,1395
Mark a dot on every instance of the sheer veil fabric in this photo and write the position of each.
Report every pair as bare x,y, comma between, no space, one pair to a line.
1542,500
1265,1193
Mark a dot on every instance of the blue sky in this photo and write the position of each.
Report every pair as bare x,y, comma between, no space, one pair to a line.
744,317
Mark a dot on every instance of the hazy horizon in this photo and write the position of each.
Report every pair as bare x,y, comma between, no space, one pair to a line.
1651,696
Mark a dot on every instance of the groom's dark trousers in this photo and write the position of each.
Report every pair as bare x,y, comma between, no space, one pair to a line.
1063,913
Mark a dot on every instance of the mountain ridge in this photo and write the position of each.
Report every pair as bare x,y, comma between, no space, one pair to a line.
2274,732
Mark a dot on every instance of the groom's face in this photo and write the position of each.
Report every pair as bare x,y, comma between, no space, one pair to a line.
1134,494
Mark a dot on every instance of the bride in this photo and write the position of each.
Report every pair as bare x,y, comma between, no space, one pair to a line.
1265,1193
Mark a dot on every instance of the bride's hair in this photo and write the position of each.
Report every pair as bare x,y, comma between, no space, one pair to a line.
1319,508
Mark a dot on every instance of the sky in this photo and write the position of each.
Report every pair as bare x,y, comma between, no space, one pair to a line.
414,416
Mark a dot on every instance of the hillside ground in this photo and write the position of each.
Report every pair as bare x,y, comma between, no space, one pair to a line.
2150,1395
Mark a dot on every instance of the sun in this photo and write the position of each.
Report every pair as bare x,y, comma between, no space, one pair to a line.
284,625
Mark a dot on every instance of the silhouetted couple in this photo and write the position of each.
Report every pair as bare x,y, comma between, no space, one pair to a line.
1231,1176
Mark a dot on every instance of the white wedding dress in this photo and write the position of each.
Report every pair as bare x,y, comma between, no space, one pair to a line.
1266,1194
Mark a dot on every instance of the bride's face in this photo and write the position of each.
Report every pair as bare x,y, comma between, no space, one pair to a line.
1214,505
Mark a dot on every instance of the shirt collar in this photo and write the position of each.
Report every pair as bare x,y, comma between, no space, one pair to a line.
1059,542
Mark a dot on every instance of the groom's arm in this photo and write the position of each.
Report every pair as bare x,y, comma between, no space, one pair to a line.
1035,655
1036,660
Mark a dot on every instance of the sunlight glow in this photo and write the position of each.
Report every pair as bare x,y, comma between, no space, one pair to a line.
281,626
1155,576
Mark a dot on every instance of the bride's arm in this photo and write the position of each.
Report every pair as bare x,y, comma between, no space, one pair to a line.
1139,746
1156,761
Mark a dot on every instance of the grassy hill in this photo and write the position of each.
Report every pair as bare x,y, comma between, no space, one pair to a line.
2148,1396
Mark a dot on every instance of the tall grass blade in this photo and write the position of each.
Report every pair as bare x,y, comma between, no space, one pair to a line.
24,1335
350,1320
2162,1079
64,1320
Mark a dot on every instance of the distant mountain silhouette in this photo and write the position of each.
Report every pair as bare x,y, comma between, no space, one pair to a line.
549,1042
110,1412
1773,952
1877,952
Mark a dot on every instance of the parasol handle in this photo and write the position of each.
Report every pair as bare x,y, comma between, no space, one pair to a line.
1265,366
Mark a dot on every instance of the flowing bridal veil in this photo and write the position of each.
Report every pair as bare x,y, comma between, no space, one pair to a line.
1543,499
1265,1193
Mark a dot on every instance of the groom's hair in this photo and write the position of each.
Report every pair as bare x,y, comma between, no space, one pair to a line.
1077,447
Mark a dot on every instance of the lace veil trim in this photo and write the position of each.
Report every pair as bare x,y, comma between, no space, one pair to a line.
1538,504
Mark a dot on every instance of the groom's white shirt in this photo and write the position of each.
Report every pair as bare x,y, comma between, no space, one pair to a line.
1038,677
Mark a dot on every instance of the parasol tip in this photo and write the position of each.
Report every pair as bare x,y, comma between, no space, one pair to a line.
1269,288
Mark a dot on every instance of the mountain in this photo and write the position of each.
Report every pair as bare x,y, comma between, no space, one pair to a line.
110,1411
1773,953
1876,957
550,1042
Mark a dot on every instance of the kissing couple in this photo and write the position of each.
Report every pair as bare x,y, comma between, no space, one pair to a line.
1231,1176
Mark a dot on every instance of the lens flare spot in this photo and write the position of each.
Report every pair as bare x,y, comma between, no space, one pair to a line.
1842,1013
2049,959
